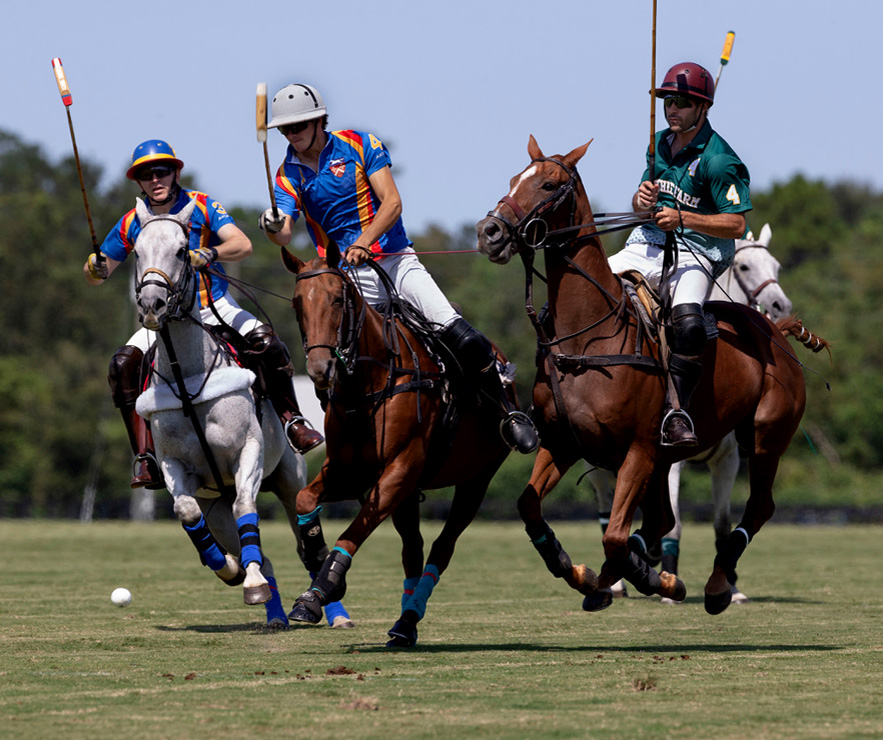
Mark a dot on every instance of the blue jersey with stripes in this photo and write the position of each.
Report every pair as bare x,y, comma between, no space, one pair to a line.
208,213
338,202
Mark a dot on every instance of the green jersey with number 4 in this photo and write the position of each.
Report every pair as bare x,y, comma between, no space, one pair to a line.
706,177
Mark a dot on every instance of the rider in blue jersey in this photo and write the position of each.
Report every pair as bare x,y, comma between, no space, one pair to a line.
214,237
342,184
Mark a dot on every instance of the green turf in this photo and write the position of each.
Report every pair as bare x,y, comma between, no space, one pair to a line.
505,650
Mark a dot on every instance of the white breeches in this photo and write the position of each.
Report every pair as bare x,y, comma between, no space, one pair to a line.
413,283
230,311
691,283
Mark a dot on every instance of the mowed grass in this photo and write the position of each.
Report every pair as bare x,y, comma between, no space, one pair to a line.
505,650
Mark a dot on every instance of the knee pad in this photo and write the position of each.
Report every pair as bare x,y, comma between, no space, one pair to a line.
124,375
267,349
687,332
471,348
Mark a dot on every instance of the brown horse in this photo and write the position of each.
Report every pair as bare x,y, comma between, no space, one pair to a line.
600,390
391,430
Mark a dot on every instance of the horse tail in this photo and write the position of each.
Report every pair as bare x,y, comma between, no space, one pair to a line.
793,327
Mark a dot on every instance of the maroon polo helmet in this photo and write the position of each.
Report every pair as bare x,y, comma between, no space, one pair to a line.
688,78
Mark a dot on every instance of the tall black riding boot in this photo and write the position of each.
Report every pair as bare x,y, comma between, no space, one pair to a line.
124,377
677,426
476,355
268,356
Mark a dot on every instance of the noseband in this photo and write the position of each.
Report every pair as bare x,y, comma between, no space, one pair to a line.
177,292
349,328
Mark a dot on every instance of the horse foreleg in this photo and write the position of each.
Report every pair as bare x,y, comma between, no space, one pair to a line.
406,520
603,482
255,589
546,474
671,541
213,552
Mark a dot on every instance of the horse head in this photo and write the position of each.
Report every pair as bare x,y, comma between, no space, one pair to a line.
326,303
541,198
164,284
756,272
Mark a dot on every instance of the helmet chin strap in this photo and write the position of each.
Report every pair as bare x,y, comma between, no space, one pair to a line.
173,194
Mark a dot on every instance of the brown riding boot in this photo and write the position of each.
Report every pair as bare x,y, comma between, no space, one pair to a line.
146,472
268,356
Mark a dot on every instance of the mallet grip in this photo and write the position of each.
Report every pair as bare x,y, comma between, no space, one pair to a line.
728,47
61,81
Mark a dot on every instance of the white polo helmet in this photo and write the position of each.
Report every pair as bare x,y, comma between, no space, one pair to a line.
296,103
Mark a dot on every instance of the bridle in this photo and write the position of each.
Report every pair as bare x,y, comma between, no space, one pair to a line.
532,230
752,294
178,305
350,325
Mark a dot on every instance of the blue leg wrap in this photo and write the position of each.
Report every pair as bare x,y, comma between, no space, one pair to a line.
249,540
671,546
408,589
274,607
417,602
335,609
209,550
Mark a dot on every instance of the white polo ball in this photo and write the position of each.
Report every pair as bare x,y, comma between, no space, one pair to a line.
121,596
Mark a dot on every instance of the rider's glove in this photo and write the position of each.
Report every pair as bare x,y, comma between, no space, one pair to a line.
203,256
270,222
97,267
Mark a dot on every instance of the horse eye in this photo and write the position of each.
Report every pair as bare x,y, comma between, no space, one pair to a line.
550,186
182,253
744,268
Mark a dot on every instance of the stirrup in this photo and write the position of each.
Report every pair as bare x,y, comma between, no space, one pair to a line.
314,437
675,414
512,421
156,481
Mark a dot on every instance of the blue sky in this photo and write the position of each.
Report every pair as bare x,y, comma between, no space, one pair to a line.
454,88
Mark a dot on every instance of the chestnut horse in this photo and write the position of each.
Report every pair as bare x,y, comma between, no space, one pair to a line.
600,390
391,430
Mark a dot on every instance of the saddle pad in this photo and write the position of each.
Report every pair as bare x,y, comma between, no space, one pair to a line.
221,382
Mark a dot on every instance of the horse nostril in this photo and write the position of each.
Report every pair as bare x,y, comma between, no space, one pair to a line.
491,230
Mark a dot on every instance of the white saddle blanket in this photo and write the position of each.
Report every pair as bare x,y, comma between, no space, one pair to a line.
221,382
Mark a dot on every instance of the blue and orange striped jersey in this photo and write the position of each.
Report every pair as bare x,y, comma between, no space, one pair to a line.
337,201
121,239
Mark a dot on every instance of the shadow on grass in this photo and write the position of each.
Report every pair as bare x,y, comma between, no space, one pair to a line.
256,628
598,650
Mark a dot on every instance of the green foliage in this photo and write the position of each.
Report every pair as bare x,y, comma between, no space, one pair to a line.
56,421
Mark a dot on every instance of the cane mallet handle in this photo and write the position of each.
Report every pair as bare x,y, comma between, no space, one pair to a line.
67,99
725,55
651,165
261,124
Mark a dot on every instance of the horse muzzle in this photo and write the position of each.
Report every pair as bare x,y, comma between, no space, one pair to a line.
495,240
322,368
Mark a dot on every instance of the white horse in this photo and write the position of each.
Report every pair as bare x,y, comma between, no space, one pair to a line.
753,279
215,494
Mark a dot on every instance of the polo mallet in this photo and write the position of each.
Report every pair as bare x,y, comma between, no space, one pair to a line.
725,56
68,101
261,122
652,162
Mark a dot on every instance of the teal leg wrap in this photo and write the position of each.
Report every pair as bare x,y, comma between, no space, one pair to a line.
417,601
408,589
671,546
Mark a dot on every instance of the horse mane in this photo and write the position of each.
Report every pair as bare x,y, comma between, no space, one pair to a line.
793,327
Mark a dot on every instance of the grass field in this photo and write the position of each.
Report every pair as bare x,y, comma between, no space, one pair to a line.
505,650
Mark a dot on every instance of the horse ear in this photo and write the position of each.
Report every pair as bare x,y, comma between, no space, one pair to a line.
144,215
332,254
533,149
577,154
291,262
766,233
186,212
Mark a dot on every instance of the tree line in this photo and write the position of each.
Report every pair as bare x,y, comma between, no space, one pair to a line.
60,435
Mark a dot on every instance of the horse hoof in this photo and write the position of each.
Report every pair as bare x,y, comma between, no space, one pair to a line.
277,623
403,634
257,594
738,596
619,589
342,623
669,602
672,587
717,603
601,599
306,609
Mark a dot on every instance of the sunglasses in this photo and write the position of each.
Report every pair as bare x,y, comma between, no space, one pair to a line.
147,174
681,101
294,128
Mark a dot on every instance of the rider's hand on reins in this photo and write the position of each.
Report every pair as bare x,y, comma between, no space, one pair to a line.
356,255
203,257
